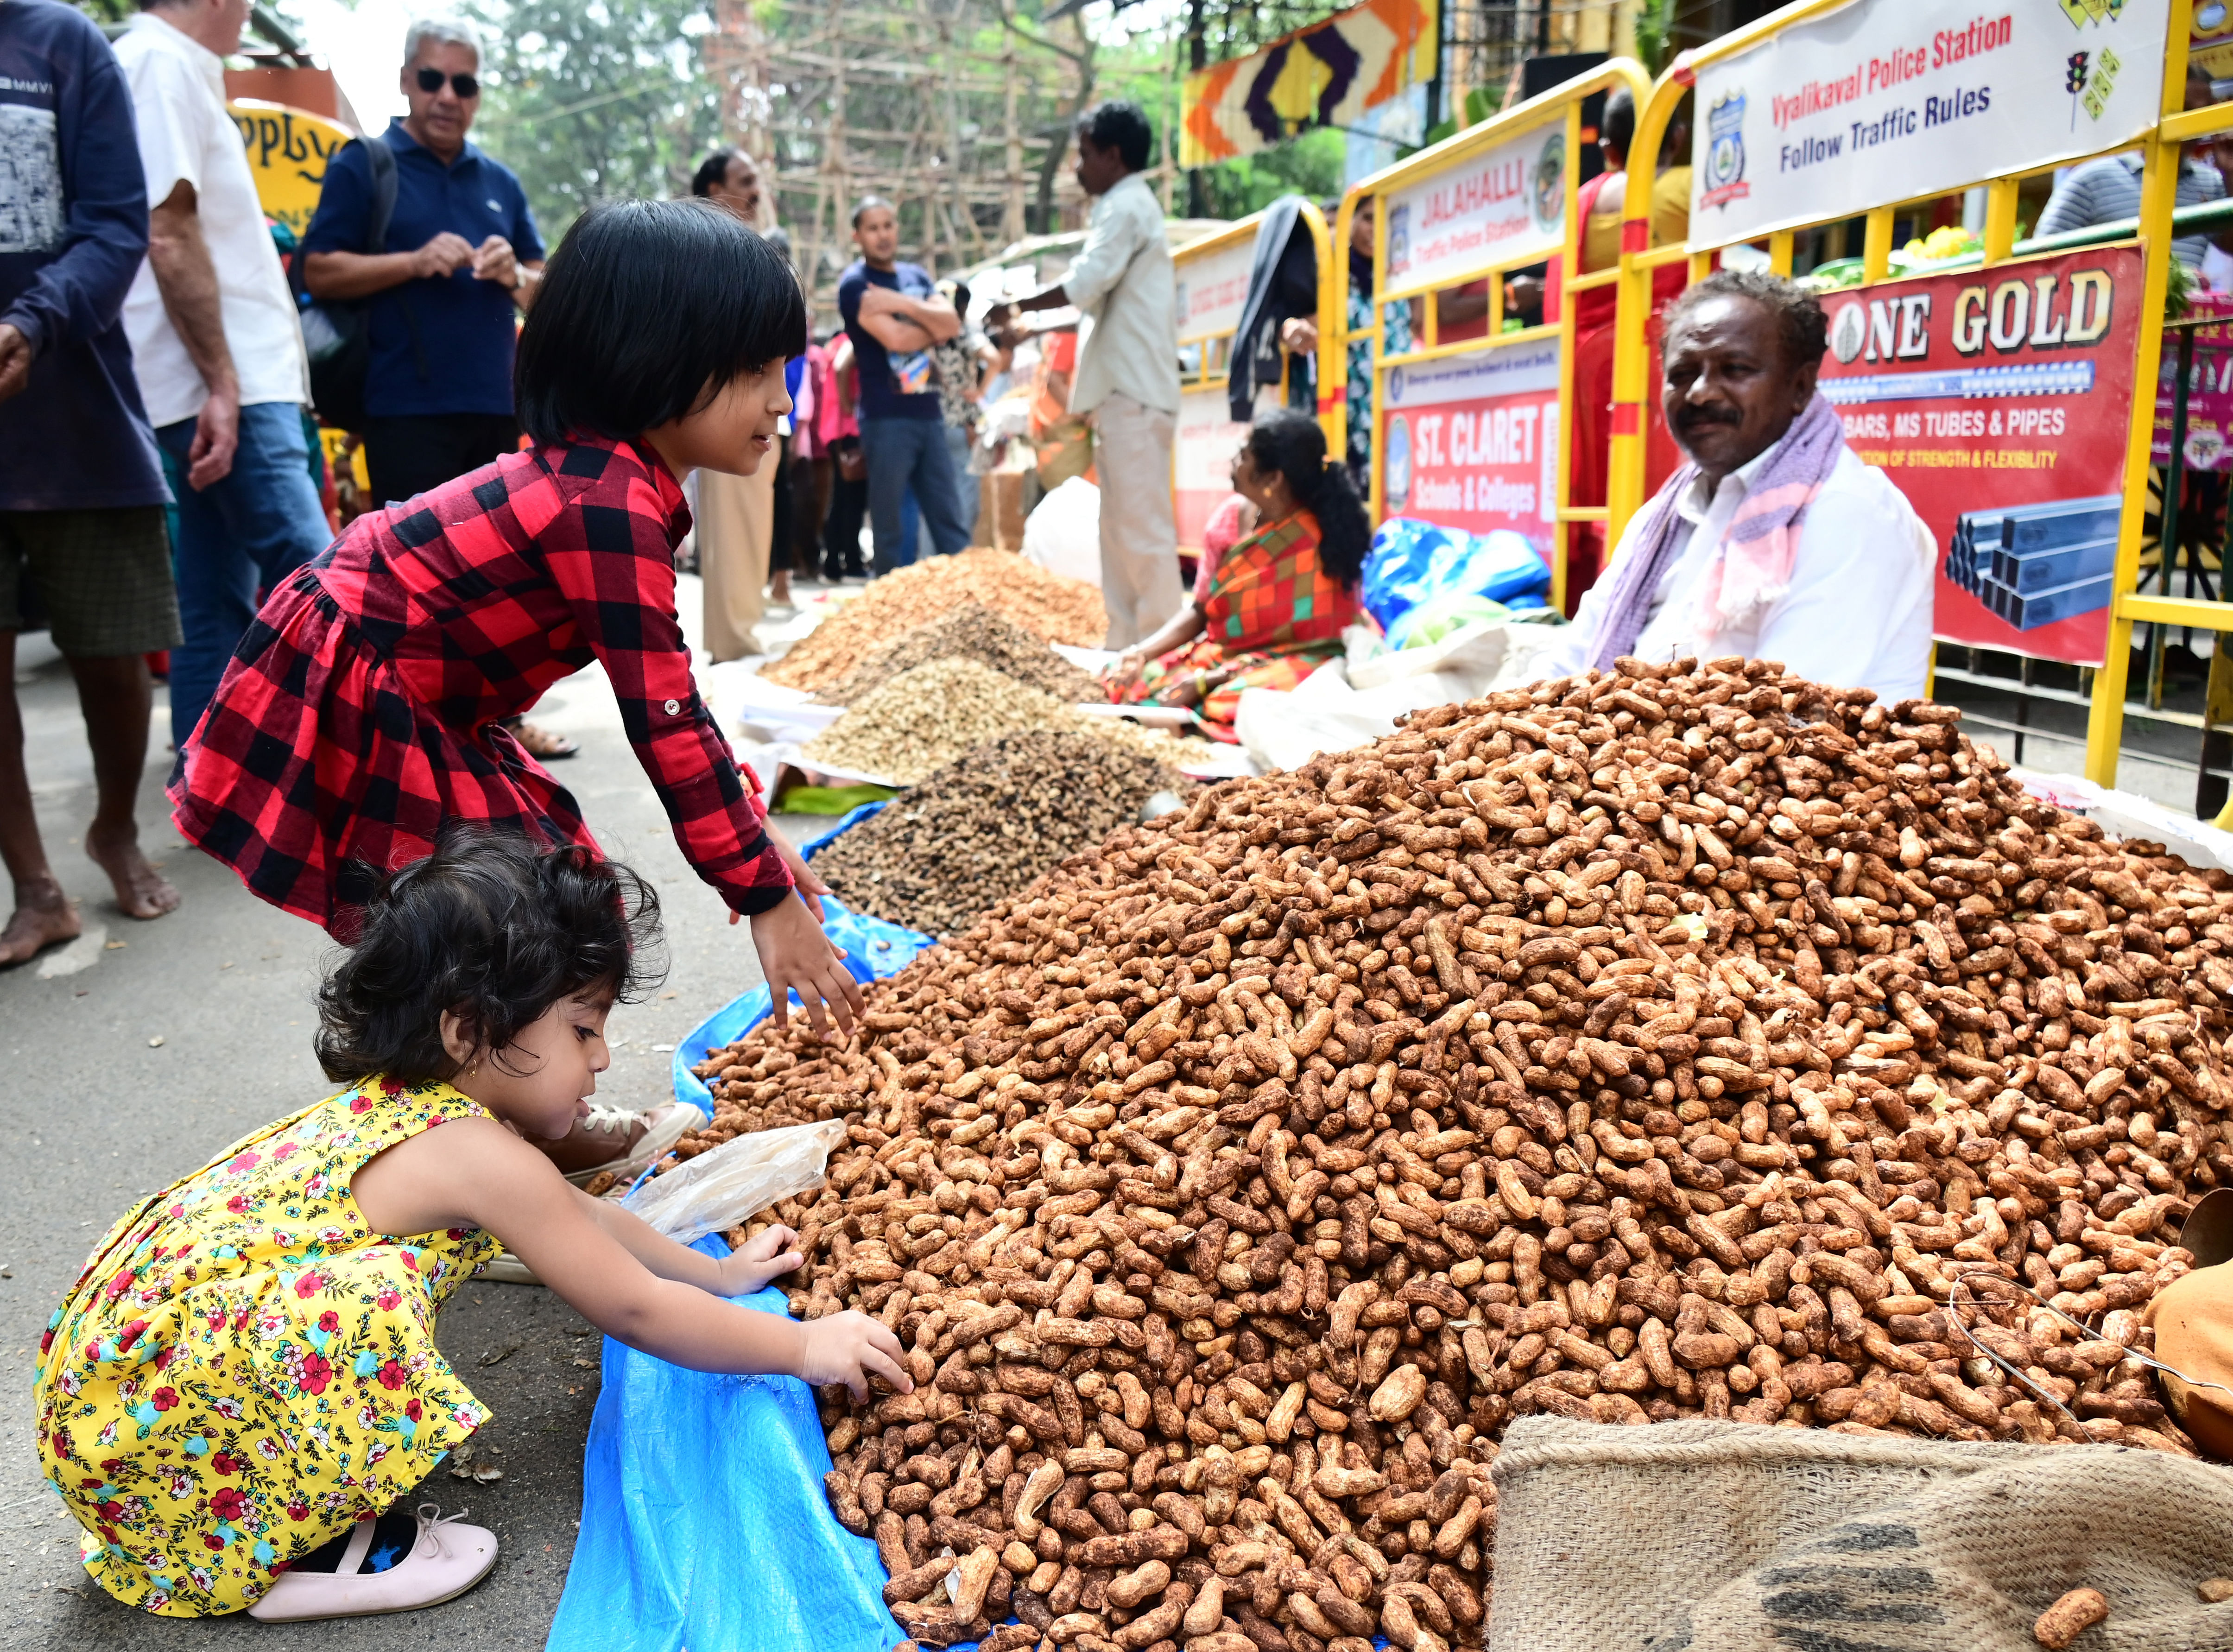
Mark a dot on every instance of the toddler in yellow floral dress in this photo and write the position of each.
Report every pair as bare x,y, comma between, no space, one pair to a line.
244,1381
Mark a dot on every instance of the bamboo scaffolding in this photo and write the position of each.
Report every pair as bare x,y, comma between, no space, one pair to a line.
932,105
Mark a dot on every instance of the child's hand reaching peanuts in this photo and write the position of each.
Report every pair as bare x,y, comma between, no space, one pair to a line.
766,1256
850,1347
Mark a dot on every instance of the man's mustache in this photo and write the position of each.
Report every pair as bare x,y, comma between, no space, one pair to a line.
1692,417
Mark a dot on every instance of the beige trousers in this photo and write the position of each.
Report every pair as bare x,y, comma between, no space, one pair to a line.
1139,534
736,524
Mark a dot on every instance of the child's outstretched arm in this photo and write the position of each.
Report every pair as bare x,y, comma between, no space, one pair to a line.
474,1173
766,1256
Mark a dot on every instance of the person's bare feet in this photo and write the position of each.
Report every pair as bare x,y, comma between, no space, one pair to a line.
141,891
43,916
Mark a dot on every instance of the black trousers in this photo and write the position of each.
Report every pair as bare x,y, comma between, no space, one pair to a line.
783,526
840,529
409,456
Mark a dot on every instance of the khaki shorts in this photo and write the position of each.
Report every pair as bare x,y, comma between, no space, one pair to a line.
101,578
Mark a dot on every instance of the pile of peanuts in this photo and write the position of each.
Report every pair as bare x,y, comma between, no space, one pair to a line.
1673,1042
1048,605
938,855
923,719
970,632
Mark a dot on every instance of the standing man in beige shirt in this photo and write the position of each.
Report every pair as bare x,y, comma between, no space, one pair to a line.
1128,368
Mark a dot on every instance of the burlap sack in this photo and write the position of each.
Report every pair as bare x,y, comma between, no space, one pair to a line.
1718,1537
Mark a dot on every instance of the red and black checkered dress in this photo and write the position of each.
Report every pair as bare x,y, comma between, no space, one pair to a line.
363,708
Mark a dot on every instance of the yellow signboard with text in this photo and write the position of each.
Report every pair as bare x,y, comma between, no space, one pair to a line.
288,151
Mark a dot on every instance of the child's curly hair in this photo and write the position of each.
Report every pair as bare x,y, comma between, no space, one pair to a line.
493,927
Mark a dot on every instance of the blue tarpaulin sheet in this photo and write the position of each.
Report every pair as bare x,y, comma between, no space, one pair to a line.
704,1526
1413,564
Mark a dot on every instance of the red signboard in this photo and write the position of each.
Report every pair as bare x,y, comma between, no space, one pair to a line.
1998,400
1472,441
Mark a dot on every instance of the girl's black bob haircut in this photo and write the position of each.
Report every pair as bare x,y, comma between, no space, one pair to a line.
492,927
647,310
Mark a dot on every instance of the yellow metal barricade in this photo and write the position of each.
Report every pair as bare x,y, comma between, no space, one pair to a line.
2007,280
2159,194
1477,433
1213,290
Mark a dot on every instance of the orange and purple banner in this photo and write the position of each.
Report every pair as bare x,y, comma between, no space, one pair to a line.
1328,74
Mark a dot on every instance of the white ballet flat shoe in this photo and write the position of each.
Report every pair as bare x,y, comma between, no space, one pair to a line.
447,1559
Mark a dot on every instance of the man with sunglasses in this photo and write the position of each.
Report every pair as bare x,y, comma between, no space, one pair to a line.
461,256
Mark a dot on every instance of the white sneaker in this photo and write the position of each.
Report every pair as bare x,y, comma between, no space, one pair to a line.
448,1558
662,1127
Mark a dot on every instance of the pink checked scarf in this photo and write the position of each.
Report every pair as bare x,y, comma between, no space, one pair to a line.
1757,552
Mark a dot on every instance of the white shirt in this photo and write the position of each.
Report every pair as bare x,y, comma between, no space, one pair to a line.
1858,612
1122,280
185,136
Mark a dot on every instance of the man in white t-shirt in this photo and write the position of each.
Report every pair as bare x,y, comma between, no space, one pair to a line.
215,345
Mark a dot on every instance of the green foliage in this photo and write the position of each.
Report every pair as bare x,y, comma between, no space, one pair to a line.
1310,165
589,101
1655,21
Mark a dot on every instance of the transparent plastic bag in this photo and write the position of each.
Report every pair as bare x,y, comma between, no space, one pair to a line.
720,1189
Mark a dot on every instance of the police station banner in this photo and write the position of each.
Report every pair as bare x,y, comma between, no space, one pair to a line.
1201,460
1997,401
1332,73
1501,207
1212,291
1888,100
1472,441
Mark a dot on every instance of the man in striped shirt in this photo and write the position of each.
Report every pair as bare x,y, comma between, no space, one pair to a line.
2104,190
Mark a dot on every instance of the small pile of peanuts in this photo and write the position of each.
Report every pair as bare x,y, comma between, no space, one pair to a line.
924,719
971,632
1048,605
984,827
1661,1043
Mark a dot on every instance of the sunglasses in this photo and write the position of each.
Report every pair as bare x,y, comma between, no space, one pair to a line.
465,85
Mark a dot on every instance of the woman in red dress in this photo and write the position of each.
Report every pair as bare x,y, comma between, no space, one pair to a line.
365,706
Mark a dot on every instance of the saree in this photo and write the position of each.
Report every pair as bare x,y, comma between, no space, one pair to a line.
1272,615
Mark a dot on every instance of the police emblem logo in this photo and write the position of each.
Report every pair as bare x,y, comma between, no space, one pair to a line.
1725,151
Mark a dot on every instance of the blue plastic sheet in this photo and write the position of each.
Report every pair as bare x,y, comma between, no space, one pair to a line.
1412,563
873,950
704,1524
704,1527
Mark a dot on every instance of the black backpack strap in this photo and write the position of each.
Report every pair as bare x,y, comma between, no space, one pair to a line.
382,161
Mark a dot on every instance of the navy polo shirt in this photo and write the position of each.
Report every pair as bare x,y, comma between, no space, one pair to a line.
440,345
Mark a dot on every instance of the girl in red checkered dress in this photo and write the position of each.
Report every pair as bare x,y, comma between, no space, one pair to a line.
364,707
1269,610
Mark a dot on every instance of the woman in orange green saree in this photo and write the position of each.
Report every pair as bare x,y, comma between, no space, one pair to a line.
1271,610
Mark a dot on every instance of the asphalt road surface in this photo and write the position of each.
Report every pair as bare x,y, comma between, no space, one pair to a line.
133,1055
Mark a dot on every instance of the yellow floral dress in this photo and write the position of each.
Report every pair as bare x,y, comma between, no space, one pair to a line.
244,1368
